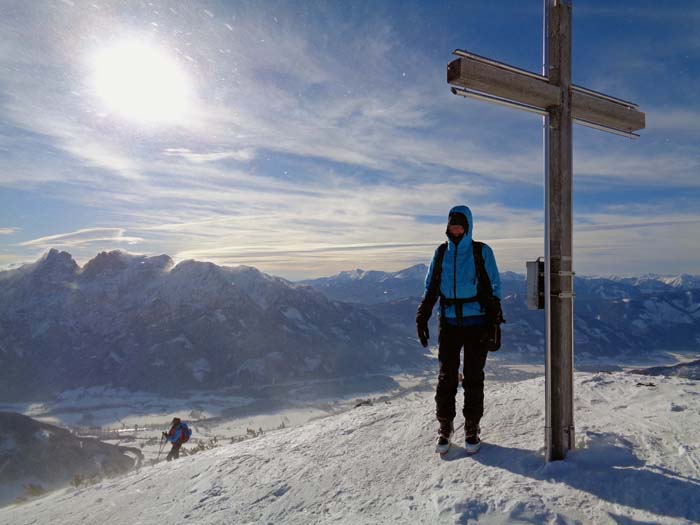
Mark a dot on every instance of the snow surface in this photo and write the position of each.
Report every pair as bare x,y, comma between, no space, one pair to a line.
638,462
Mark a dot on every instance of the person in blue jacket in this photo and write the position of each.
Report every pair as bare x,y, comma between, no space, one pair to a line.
462,324
177,435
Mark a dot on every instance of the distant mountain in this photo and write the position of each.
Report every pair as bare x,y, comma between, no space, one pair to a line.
689,370
143,322
613,316
684,281
36,456
368,287
654,283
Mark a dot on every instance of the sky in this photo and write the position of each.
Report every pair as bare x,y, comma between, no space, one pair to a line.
306,138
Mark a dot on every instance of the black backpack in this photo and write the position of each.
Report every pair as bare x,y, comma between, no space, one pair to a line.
489,303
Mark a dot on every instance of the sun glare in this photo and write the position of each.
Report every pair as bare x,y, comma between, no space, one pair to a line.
141,82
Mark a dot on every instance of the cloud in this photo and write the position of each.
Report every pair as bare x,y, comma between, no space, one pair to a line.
677,120
307,141
7,231
615,223
82,237
199,158
304,102
637,168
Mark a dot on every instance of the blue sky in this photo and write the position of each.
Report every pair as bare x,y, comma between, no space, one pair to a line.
305,138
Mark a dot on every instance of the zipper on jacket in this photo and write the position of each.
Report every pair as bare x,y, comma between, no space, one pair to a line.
454,286
458,308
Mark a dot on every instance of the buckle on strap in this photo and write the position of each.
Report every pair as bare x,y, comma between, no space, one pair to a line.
458,303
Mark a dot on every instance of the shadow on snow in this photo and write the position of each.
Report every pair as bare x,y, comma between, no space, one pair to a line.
606,468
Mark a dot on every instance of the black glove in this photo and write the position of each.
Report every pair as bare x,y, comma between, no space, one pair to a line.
493,311
491,338
423,332
425,310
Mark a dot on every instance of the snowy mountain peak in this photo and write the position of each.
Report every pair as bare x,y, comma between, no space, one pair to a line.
684,281
116,263
352,275
412,272
190,265
512,276
57,261
107,262
250,272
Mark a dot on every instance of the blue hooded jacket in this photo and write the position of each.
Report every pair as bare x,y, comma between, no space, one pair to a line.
179,433
458,279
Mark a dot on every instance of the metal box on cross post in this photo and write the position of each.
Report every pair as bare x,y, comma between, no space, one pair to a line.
535,284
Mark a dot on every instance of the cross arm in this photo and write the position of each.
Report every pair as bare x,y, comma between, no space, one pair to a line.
510,84
524,87
598,110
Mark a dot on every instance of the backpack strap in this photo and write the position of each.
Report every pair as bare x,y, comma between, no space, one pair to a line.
434,287
425,308
484,290
490,304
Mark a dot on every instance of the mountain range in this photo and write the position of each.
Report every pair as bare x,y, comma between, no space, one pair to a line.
614,316
143,322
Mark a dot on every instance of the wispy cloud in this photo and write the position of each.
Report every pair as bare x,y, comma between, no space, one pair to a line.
7,231
212,156
82,237
675,119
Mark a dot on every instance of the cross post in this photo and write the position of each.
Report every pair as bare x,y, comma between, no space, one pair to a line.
561,103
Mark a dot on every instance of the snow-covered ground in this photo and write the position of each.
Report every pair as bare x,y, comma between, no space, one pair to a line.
638,462
136,419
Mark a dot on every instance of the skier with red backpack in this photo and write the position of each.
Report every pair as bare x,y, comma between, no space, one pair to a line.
178,434
464,276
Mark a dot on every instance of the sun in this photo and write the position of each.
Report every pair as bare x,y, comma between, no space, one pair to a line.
141,82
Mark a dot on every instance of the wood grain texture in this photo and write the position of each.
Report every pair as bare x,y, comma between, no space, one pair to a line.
472,74
510,85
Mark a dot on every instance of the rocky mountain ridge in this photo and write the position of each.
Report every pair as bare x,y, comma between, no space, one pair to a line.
143,322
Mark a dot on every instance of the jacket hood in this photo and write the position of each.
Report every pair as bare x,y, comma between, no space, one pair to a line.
464,210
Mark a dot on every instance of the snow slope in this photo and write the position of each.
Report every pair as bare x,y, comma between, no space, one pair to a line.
638,463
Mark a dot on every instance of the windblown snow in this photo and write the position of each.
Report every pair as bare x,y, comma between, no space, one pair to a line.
638,461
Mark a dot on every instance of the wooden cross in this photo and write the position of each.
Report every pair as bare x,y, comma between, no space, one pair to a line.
553,96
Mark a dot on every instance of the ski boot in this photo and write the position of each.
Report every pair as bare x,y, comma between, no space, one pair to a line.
442,443
472,441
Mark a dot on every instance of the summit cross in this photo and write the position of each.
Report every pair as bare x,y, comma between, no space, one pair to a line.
561,103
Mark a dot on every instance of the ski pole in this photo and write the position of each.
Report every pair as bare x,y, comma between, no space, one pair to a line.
162,444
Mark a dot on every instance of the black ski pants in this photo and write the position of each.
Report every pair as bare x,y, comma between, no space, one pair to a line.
174,452
451,341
